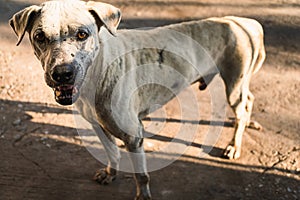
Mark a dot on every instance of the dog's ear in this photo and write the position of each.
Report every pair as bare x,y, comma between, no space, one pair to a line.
105,14
22,20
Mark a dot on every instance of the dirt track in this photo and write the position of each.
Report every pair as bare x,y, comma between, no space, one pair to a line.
42,156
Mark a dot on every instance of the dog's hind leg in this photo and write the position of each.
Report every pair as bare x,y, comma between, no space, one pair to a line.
237,92
260,59
134,144
233,150
108,174
250,123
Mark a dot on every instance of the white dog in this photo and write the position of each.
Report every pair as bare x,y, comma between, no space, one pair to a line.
115,78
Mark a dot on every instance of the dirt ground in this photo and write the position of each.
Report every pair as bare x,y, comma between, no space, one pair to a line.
42,156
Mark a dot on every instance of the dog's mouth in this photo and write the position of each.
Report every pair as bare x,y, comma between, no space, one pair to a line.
66,94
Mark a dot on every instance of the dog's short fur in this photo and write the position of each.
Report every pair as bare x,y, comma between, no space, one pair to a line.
95,68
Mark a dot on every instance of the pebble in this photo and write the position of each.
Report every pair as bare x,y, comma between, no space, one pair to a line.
274,153
17,122
17,137
293,162
253,152
277,181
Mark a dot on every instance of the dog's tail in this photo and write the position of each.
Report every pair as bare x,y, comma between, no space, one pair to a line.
260,59
256,36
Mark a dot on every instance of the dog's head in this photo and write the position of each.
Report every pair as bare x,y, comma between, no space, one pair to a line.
64,35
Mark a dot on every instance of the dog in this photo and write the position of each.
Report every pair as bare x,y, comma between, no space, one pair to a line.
89,63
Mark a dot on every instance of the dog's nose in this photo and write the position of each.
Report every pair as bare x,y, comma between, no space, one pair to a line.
63,73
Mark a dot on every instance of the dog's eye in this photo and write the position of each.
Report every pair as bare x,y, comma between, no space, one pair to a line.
40,37
82,35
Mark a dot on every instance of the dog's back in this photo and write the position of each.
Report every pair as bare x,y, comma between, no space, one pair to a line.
229,31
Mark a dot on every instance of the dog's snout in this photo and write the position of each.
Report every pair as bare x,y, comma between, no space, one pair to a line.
63,73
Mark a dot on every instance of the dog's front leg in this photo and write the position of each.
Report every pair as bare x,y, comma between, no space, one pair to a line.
108,174
137,155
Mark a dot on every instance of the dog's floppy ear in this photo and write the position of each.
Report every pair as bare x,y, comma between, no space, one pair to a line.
21,21
105,14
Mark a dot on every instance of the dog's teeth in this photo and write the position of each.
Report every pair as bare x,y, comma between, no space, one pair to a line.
74,90
57,93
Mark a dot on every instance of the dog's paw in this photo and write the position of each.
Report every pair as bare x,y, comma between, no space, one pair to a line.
232,152
254,125
103,177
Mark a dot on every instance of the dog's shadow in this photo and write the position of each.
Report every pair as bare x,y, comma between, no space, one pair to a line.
213,151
